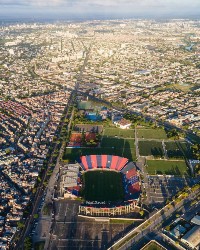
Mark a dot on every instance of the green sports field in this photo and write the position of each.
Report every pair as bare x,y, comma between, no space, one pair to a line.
117,132
178,149
74,154
167,167
124,147
151,133
103,186
154,148
121,147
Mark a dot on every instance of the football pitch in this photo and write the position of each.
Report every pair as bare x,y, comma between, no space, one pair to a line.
117,132
167,167
109,146
102,185
151,133
178,150
151,148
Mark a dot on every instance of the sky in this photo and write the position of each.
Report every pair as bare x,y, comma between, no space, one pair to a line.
84,8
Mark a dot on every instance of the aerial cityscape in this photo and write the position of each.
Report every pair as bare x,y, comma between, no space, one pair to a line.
99,127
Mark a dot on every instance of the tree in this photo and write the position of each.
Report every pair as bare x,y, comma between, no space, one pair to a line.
8,151
197,169
36,216
142,213
20,224
27,243
167,228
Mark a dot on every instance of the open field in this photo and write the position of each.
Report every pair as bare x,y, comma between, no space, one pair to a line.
167,167
124,147
121,147
123,133
111,142
178,150
185,148
116,142
73,154
147,148
151,133
103,186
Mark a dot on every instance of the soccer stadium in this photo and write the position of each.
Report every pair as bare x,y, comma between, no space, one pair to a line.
108,184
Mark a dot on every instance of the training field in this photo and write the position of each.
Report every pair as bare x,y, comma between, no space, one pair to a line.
167,167
151,133
103,186
121,147
147,148
123,133
115,141
74,154
109,146
178,150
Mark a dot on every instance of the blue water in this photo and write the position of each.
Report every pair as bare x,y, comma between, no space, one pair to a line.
93,117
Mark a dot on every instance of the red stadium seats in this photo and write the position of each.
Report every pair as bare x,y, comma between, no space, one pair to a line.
114,162
93,161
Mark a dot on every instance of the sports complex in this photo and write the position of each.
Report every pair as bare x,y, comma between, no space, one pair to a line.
108,184
107,180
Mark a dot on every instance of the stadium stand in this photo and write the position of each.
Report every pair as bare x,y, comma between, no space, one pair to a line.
121,164
89,163
99,161
109,160
134,188
129,166
84,164
104,160
114,162
131,173
94,161
133,180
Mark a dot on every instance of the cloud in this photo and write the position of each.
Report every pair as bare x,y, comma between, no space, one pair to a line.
103,3
112,6
33,2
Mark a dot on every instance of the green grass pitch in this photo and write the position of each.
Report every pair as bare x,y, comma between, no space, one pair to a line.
102,185
167,167
122,133
151,148
151,133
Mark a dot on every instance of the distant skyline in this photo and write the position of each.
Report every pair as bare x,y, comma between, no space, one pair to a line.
92,8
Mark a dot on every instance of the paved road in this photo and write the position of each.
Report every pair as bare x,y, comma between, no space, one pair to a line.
55,174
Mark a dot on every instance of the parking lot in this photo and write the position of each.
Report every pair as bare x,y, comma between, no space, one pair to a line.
161,188
69,231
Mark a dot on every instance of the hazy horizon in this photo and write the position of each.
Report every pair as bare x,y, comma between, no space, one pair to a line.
96,9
